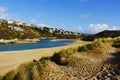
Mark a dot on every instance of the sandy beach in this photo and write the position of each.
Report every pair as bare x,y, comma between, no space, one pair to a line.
60,39
11,59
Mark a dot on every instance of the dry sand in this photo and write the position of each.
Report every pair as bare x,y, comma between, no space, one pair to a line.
11,59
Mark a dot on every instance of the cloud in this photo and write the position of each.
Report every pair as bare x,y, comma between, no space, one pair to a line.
95,28
4,12
84,16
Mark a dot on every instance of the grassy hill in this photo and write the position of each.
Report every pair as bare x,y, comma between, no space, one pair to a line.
103,34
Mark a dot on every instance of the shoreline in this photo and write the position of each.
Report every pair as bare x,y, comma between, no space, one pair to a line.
12,59
55,40
30,42
27,41
37,48
17,41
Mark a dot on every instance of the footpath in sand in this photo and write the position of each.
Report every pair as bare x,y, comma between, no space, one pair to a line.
11,59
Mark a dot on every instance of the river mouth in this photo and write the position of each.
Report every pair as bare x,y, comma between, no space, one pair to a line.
45,43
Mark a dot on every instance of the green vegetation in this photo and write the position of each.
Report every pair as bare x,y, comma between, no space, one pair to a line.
21,30
58,33
98,43
13,31
27,71
117,39
60,57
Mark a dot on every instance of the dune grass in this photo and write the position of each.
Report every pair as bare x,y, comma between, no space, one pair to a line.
32,70
59,57
27,71
98,44
69,57
117,39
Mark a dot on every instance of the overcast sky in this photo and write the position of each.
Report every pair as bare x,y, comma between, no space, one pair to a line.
89,16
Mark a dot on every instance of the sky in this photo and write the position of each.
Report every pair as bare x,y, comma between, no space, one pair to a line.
87,16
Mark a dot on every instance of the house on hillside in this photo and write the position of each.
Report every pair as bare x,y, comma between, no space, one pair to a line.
10,21
15,28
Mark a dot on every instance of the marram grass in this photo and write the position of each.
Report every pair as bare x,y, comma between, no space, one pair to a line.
34,69
97,44
58,57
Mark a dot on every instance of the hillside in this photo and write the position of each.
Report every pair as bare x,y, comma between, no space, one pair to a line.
103,34
10,29
98,60
13,31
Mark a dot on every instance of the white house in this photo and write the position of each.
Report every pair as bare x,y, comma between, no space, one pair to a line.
10,21
16,28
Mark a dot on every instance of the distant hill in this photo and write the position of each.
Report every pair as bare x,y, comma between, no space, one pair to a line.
103,34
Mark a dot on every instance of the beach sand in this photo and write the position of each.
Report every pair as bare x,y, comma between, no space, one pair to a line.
54,40
11,59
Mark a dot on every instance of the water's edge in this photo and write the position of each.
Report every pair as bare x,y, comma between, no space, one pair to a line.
45,43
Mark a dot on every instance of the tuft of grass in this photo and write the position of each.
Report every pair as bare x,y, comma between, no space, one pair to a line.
76,62
98,43
59,57
34,72
117,39
104,40
99,46
91,46
9,75
27,71
44,58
